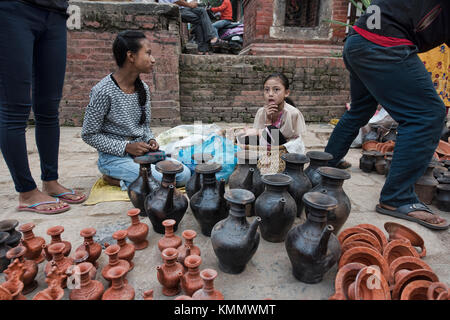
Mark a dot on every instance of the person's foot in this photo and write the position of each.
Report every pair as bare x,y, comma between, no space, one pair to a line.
421,215
35,196
54,188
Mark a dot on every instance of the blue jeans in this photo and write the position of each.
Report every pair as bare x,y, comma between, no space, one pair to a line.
32,56
396,78
126,170
219,25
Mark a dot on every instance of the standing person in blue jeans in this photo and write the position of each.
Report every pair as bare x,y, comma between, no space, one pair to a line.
385,69
32,68
117,119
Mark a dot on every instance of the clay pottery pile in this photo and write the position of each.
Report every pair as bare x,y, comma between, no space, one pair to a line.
208,292
438,291
166,202
138,231
208,204
13,287
81,256
439,170
425,187
233,239
397,231
381,147
54,291
170,239
367,161
89,245
127,250
119,290
311,247
145,183
380,163
276,207
59,260
4,261
168,273
331,184
300,182
32,243
247,176
148,295
10,226
113,253
195,181
30,268
188,248
317,159
89,289
191,281
55,234
443,197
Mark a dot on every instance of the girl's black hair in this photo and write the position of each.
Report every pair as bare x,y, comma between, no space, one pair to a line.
284,81
125,41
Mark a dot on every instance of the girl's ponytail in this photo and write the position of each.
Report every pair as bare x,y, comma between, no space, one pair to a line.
142,95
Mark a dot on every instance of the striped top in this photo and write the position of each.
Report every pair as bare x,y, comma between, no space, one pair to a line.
111,120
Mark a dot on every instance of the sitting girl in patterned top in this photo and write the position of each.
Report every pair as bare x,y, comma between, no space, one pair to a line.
117,119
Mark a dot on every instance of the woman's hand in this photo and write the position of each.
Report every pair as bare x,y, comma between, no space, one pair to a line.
138,148
154,146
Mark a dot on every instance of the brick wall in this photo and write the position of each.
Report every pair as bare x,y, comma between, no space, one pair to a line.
229,88
89,55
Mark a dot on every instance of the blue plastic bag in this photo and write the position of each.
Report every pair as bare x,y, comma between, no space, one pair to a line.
219,147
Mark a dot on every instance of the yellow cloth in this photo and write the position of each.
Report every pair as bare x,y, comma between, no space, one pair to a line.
437,62
104,192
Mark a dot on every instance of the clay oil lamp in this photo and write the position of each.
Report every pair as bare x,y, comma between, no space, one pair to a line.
127,250
55,233
10,226
94,248
81,256
168,273
416,290
191,281
397,232
370,284
208,292
4,260
119,289
366,256
89,289
54,291
32,243
14,285
367,238
344,278
398,248
189,248
351,231
170,240
59,260
438,291
113,253
30,268
403,278
376,232
138,231
403,265
148,295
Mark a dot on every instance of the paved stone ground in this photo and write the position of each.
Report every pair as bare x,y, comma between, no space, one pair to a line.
267,275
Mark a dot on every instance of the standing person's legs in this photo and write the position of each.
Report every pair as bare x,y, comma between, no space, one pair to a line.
219,25
192,16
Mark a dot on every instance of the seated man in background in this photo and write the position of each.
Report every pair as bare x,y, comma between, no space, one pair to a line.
226,16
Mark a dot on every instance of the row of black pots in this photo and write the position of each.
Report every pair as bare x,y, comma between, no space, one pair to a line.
375,161
435,185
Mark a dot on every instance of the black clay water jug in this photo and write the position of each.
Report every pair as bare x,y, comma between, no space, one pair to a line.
194,182
317,159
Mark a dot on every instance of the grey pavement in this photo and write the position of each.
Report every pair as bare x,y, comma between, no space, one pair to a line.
267,275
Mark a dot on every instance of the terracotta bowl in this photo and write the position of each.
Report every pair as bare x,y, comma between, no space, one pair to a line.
370,284
443,148
370,145
420,274
349,232
355,244
406,263
398,248
366,256
376,232
397,231
344,278
416,290
438,291
362,237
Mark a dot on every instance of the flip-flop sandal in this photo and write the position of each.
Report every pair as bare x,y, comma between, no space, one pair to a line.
402,213
33,208
68,200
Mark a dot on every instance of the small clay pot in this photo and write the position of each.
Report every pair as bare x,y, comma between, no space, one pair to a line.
439,171
397,231
400,266
127,250
416,290
4,260
138,231
54,291
344,278
398,248
14,284
32,243
351,231
370,284
59,260
119,289
148,295
376,232
438,291
10,226
113,253
94,248
380,163
30,268
367,161
191,281
189,248
170,240
55,233
208,292
361,237
443,197
89,289
444,178
168,273
81,256
409,276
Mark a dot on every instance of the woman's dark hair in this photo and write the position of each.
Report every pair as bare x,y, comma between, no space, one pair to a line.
131,41
284,81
